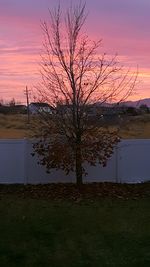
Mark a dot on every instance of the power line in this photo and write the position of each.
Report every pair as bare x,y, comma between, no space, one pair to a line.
26,92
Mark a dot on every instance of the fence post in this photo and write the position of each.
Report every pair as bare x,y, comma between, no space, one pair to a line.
116,164
25,161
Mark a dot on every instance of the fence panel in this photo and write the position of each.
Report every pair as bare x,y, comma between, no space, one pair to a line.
37,174
12,161
130,163
99,173
134,161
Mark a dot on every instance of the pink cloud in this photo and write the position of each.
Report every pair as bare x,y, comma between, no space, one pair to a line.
123,26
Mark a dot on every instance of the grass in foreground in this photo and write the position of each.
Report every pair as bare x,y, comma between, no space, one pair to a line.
62,233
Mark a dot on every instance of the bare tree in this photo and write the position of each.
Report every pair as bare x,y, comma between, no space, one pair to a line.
12,102
74,78
1,102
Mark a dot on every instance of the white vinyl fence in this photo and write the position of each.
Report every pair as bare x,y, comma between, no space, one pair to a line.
130,163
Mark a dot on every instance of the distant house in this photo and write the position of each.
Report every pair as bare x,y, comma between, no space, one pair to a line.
63,108
37,107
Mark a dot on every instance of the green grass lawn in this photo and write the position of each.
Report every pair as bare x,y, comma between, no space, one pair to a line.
105,232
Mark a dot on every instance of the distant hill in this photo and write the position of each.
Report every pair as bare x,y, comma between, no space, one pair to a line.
138,103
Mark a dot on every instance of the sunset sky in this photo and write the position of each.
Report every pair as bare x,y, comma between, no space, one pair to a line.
124,26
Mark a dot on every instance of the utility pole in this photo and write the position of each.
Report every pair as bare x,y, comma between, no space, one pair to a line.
27,99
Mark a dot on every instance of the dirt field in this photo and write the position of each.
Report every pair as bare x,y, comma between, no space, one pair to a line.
13,126
16,126
138,127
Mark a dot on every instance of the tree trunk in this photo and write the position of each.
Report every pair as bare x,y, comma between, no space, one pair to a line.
78,166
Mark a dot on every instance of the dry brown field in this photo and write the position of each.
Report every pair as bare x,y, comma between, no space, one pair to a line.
16,126
137,127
